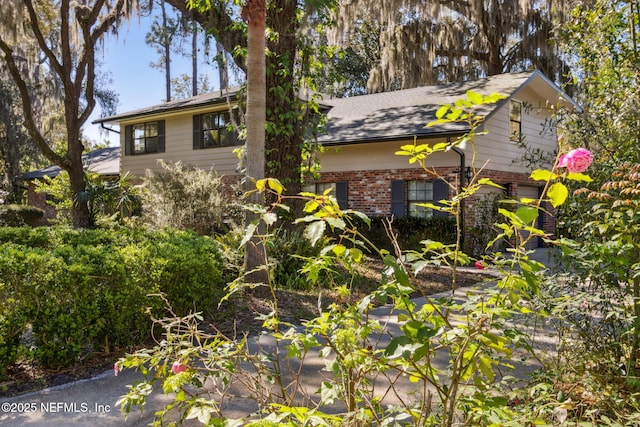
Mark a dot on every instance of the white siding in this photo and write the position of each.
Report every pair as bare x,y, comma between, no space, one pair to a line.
377,156
179,146
504,155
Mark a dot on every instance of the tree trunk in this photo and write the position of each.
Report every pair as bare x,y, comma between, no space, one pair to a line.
254,11
194,59
167,53
284,143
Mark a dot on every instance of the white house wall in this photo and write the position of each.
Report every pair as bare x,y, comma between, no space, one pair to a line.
179,146
504,155
376,156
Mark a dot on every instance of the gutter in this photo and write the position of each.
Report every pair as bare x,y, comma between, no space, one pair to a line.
108,129
462,177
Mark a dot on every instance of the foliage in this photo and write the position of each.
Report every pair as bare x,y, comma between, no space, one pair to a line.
61,39
87,291
603,41
472,335
422,43
410,232
188,198
482,231
107,200
16,215
605,275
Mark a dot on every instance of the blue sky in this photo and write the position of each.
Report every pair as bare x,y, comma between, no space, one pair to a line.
126,59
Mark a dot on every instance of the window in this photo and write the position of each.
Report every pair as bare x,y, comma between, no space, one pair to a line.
406,196
419,192
339,190
144,138
515,120
211,130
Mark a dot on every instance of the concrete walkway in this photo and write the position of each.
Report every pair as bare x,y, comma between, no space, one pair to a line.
92,402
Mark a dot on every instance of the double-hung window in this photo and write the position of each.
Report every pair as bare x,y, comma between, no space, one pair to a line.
144,138
409,197
212,130
418,193
339,190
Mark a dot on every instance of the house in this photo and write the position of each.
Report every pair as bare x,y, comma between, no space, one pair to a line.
362,135
103,161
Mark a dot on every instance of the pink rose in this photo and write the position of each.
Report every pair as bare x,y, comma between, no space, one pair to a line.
577,160
479,265
178,367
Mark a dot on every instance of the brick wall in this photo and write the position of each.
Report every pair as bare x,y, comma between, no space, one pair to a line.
369,191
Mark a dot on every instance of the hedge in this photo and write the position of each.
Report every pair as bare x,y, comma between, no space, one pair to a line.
82,291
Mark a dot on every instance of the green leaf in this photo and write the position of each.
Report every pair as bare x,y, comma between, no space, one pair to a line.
474,97
484,363
558,194
275,185
356,254
442,111
487,181
543,175
527,214
576,176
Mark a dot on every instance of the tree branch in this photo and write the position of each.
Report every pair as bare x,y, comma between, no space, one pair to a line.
223,27
29,121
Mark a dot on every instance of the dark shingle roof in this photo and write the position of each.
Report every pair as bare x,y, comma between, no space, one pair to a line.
211,98
404,113
105,161
384,116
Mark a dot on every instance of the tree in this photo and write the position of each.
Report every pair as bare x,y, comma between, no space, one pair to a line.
161,37
451,40
287,116
603,40
254,13
67,33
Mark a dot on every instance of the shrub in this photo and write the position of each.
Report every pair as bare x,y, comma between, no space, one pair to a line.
188,198
411,231
88,290
17,215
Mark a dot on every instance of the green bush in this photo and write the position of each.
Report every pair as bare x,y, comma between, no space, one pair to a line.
187,198
411,231
88,290
16,215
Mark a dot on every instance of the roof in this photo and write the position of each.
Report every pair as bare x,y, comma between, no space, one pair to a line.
104,161
205,99
383,116
404,113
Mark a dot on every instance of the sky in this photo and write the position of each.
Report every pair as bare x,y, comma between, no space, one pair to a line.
126,59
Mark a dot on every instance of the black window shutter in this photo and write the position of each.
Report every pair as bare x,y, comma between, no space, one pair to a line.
128,140
440,192
197,131
398,208
342,194
161,136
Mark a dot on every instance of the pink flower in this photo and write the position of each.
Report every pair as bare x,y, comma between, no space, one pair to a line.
577,160
116,369
479,265
178,367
